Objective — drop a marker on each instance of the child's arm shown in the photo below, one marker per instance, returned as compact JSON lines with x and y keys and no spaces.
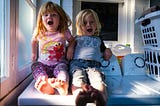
{"x":107,"y":53}
{"x":70,"y":48}
{"x":34,"y":45}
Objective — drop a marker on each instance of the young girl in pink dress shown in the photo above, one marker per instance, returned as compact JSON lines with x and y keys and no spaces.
{"x":49,"y":54}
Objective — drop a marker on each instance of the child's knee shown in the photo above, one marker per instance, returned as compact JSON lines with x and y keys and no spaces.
{"x":79,"y":78}
{"x":63,"y":75}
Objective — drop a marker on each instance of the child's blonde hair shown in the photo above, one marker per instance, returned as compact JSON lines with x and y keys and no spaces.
{"x":80,"y":20}
{"x":49,"y":7}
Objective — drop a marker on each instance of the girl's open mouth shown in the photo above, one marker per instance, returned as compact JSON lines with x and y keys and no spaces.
{"x":89,"y":30}
{"x":50,"y":22}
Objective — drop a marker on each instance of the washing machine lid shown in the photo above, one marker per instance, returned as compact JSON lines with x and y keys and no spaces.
{"x":133,"y":90}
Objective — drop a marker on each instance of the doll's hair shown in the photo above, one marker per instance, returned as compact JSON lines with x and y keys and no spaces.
{"x":49,"y":7}
{"x":80,"y":20}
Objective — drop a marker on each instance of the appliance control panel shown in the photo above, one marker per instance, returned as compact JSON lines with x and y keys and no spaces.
{"x":111,"y":67}
{"x":133,"y":64}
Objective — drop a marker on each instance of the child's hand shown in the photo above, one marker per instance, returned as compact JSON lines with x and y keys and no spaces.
{"x":107,"y":54}
{"x":70,"y":52}
{"x":70,"y":49}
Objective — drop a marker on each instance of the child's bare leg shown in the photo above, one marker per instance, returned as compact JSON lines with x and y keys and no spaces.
{"x":60,"y":83}
{"x":97,"y":82}
{"x":43,"y":86}
{"x":103,"y":90}
{"x":76,"y":90}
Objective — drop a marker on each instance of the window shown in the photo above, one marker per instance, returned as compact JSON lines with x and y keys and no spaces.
{"x":2,"y":43}
{"x":24,"y":33}
{"x":16,"y":32}
{"x":4,"y":54}
{"x":4,"y":37}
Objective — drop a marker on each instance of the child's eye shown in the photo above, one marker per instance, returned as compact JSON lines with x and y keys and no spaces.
{"x":54,"y":15}
{"x":84,"y":23}
{"x":91,"y":22}
{"x":45,"y":15}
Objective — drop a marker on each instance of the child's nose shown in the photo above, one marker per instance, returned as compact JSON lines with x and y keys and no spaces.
{"x":50,"y":15}
{"x":88,"y":24}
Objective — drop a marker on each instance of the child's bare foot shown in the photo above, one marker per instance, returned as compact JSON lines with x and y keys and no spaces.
{"x":43,"y":86}
{"x":60,"y":85}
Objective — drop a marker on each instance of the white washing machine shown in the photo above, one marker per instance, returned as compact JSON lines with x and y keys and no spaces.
{"x":134,"y":87}
{"x":129,"y":86}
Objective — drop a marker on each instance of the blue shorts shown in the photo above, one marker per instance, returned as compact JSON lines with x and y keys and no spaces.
{"x":86,"y":72}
